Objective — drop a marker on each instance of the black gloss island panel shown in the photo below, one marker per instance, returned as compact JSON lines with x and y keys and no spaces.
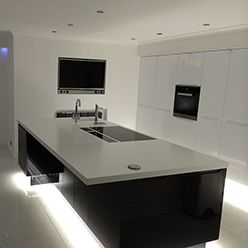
{"x":173,"y":211}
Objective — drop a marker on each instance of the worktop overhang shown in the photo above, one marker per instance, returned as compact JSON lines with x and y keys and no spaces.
{"x":96,"y":161}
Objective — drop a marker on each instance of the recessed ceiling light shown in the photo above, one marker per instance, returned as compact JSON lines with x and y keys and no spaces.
{"x":133,"y":38}
{"x":205,"y":24}
{"x":70,"y":24}
{"x":100,"y":11}
{"x":54,"y":31}
{"x":159,"y":33}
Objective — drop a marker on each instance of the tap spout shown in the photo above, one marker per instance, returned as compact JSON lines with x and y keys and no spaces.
{"x":76,"y":115}
{"x":97,"y":109}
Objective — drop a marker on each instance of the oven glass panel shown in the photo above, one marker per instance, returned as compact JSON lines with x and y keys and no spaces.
{"x":186,"y":101}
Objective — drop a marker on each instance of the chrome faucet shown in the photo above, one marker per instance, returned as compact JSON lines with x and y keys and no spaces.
{"x":97,"y":109}
{"x":76,"y":115}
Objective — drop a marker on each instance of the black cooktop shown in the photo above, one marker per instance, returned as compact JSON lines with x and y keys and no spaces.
{"x":116,"y":133}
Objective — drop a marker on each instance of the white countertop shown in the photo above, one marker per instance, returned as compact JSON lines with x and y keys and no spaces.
{"x":95,"y":161}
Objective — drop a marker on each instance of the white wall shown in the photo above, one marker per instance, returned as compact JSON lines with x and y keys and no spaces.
{"x":6,"y":89}
{"x":3,"y":60}
{"x":36,"y":69}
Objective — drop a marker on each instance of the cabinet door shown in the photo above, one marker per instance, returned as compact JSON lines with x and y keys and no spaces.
{"x":166,"y":79}
{"x":236,"y":105}
{"x":234,"y":141}
{"x":190,"y":69}
{"x":144,"y":119}
{"x":208,"y":135}
{"x":147,"y":81}
{"x":162,"y":124}
{"x":214,"y":79}
{"x":67,"y":178}
{"x":183,"y":132}
{"x":234,"y":137}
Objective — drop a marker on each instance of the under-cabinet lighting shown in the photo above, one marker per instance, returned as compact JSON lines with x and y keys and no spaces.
{"x":236,"y":194}
{"x":76,"y":231}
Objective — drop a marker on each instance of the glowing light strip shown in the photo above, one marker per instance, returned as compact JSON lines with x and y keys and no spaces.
{"x":236,"y":194}
{"x":77,"y":232}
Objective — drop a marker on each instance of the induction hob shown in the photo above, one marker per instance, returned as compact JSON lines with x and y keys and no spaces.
{"x":116,"y":133}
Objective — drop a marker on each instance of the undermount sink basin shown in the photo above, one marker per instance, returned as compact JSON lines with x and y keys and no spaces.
{"x":87,"y":119}
{"x":100,"y":123}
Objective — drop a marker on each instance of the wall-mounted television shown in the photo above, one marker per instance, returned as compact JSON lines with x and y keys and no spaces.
{"x":81,"y":76}
{"x":186,"y":101}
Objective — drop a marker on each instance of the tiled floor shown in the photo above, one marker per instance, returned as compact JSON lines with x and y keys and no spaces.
{"x":28,"y":219}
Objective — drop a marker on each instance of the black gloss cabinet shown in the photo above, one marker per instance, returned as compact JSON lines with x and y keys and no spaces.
{"x":173,"y":211}
{"x":169,"y":211}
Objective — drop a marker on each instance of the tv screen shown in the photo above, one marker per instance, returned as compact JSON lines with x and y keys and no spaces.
{"x":81,"y":76}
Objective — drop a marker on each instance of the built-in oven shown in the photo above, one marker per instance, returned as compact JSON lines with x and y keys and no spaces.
{"x":186,"y":101}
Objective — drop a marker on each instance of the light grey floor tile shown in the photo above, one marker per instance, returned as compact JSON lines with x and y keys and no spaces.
{"x":17,"y":200}
{"x":20,"y":223}
{"x":232,"y":216}
{"x":227,"y":240}
{"x":240,"y":231}
{"x":43,"y":240}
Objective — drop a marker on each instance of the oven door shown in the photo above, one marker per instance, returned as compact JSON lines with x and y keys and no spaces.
{"x":186,"y":101}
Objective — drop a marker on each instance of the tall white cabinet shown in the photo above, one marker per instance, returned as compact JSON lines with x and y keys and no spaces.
{"x":189,"y":73}
{"x":234,"y":141}
{"x":147,"y":87}
{"x":234,"y":137}
{"x":190,"y":68}
{"x":163,"y":103}
{"x":213,"y":89}
{"x":222,"y":125}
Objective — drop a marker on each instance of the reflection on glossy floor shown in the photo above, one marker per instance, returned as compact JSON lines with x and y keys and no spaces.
{"x":39,"y":217}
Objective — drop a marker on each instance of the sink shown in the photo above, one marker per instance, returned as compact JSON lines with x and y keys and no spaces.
{"x":100,"y":123}
{"x":116,"y":133}
{"x":87,"y":119}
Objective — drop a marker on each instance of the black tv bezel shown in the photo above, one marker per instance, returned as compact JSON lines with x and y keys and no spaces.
{"x":81,"y":90}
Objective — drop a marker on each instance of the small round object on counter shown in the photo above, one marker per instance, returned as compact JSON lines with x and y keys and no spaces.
{"x":133,"y":167}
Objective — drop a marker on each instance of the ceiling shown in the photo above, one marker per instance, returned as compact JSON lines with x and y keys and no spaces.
{"x":122,"y":20}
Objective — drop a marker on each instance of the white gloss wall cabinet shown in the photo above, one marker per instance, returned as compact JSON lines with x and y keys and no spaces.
{"x":221,"y":129}
{"x":144,"y":120}
{"x":164,"y":96}
{"x":166,"y":80}
{"x":147,"y":86}
{"x":234,"y":138}
{"x":183,"y":132}
{"x":190,"y":68}
{"x":148,"y":75}
{"x":189,"y":72}
{"x":162,"y":124}
{"x":213,"y":87}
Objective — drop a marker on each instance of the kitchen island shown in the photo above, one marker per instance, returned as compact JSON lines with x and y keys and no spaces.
{"x":131,"y":190}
